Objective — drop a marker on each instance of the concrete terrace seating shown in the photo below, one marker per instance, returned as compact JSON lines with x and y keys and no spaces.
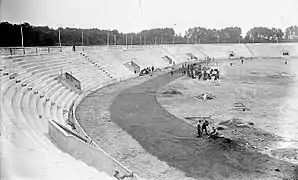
{"x":216,"y":51}
{"x":265,"y":50}
{"x":31,"y":95}
{"x":292,"y":48}
{"x":144,"y":57}
{"x":241,"y":50}
{"x":104,"y":61}
{"x":21,"y":113}
{"x":180,"y":52}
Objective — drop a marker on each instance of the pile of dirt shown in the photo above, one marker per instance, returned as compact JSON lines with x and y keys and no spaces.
{"x":286,"y":153}
{"x":235,"y":122}
{"x":171,"y":92}
{"x":198,"y":118}
{"x":206,"y":96}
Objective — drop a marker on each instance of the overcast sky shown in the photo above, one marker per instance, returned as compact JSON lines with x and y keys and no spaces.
{"x":126,"y":16}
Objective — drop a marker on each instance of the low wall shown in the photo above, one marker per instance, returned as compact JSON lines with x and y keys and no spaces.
{"x":15,"y":51}
{"x":117,"y":165}
{"x":95,"y":157}
{"x":70,"y":82}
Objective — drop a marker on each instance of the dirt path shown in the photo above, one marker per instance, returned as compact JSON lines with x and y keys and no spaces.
{"x":162,"y":135}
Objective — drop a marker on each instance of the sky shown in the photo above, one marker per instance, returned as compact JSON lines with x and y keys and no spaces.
{"x":136,"y":15}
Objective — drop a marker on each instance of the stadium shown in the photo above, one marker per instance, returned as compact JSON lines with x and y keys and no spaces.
{"x":99,"y":104}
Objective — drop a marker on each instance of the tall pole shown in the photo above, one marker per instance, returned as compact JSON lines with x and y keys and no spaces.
{"x":108,"y":39}
{"x":155,"y":40}
{"x":126,"y":40}
{"x":131,"y":40}
{"x":253,"y":39}
{"x":276,"y":39}
{"x":173,"y":39}
{"x":115,"y":40}
{"x":218,"y":40}
{"x":59,"y":38}
{"x":145,"y":41}
{"x":22,"y":36}
{"x":82,"y":39}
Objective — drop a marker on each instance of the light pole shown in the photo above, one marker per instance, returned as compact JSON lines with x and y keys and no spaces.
{"x":83,"y":40}
{"x":22,"y":36}
{"x":218,"y":40}
{"x":59,"y":38}
{"x":174,"y":34}
{"x":130,"y":39}
{"x":108,"y":39}
{"x":115,"y":40}
{"x":145,"y":41}
{"x":126,"y":40}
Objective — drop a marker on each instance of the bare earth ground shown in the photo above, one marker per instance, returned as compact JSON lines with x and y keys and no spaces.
{"x":94,"y":116}
{"x":157,"y":145}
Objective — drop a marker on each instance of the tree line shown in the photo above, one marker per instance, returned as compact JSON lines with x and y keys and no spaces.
{"x":10,"y":35}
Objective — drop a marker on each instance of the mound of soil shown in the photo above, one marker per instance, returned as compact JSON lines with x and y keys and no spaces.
{"x":288,"y":153}
{"x":235,"y":122}
{"x":171,"y":92}
{"x":208,"y":96}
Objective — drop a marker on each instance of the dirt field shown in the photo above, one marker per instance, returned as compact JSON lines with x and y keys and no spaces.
{"x":157,"y":145}
{"x":267,"y":87}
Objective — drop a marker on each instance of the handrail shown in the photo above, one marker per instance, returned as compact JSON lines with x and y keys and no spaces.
{"x":73,"y":133}
{"x":119,"y":165}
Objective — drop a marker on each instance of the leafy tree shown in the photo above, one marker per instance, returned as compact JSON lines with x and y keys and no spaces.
{"x":291,"y":32}
{"x":10,"y":35}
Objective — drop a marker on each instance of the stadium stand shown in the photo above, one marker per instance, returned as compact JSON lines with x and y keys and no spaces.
{"x":265,"y":50}
{"x":143,"y":57}
{"x":36,"y":106}
{"x":179,"y":52}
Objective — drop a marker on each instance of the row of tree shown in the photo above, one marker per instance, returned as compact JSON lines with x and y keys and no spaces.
{"x":10,"y":35}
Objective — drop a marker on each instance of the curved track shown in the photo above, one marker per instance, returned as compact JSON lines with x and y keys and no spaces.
{"x":171,"y":140}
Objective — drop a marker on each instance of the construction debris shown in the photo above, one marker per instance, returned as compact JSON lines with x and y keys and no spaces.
{"x":206,"y":96}
{"x":240,"y":107}
{"x":171,"y":92}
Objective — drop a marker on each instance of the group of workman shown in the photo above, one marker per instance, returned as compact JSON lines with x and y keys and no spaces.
{"x":202,"y":73}
{"x":145,"y":71}
{"x":201,"y":128}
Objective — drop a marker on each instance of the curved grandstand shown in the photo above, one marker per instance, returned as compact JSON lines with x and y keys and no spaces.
{"x":41,"y":88}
